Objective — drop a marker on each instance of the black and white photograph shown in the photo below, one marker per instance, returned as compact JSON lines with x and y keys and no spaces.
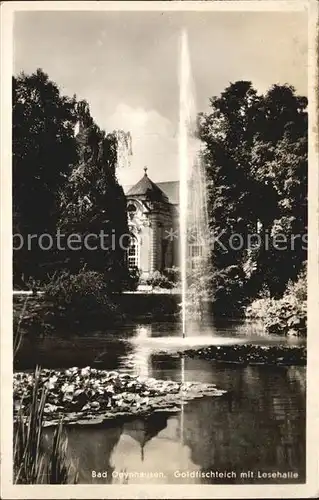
{"x":162,"y":194}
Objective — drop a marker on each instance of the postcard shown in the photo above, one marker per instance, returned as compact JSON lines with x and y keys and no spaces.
{"x":159,"y":257}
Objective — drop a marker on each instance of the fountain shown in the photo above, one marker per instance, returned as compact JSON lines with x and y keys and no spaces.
{"x":194,"y":242}
{"x":194,"y":233}
{"x":193,"y":214}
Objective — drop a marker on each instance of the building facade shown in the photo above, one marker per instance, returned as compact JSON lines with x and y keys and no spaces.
{"x":153,"y":223}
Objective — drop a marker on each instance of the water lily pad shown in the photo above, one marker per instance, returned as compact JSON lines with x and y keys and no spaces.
{"x":95,"y":405}
{"x":48,"y":408}
{"x":108,"y":394}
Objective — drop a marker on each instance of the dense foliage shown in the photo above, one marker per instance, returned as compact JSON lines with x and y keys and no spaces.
{"x":64,"y":182}
{"x":157,"y":279}
{"x":44,"y":151}
{"x":84,"y":291}
{"x":287,"y":315}
{"x":93,"y":203}
{"x":256,"y":157}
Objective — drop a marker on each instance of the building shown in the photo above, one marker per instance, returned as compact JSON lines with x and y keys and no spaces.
{"x":153,"y":223}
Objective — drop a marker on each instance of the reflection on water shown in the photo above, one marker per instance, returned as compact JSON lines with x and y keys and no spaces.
{"x":259,"y":425}
{"x":108,"y":348}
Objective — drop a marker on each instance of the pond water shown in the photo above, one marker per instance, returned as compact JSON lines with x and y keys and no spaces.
{"x":256,"y":428}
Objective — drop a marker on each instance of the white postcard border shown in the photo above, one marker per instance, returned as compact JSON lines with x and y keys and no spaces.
{"x":10,"y":491}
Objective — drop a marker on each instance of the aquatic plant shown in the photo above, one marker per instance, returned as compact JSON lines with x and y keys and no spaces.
{"x":249,"y":354}
{"x":86,"y":394}
{"x":58,"y":468}
{"x":17,"y":331}
{"x":31,"y":464}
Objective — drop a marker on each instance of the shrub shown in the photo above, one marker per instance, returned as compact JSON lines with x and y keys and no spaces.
{"x":287,"y":315}
{"x":280,"y":316}
{"x":172,"y":274}
{"x":133,"y":279}
{"x":86,"y":290}
{"x":158,"y":280}
{"x":298,"y":288}
{"x":258,"y":309}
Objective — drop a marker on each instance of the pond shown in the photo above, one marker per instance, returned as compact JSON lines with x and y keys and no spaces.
{"x":258,"y":427}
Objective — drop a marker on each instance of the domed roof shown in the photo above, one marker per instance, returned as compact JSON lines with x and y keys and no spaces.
{"x":146,"y":187}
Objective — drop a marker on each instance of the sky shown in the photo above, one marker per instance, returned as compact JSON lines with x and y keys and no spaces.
{"x":125,"y":64}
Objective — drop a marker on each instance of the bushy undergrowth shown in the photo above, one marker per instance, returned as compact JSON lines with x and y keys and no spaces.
{"x":133,"y":279}
{"x":86,"y":290}
{"x":173,"y":274}
{"x":287,"y":315}
{"x":159,"y":280}
{"x":299,"y":288}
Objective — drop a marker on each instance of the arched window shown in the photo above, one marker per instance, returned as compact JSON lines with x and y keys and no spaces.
{"x":131,"y":210}
{"x":133,"y":253}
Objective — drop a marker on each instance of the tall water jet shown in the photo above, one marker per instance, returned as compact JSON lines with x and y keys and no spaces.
{"x":193,"y":219}
{"x":184,"y":132}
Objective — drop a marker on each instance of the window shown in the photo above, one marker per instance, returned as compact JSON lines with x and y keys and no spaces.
{"x":195,"y":253}
{"x":131,"y":208}
{"x":132,"y":254}
{"x":131,"y":211}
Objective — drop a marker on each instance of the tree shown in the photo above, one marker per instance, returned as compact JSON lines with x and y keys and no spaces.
{"x":228,"y":135}
{"x":284,"y":176}
{"x":92,"y":201}
{"x":63,"y":181}
{"x":43,"y":153}
{"x":256,"y":165}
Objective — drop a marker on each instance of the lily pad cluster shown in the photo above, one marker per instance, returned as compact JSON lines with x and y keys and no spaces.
{"x":86,"y":395}
{"x":252,"y":354}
